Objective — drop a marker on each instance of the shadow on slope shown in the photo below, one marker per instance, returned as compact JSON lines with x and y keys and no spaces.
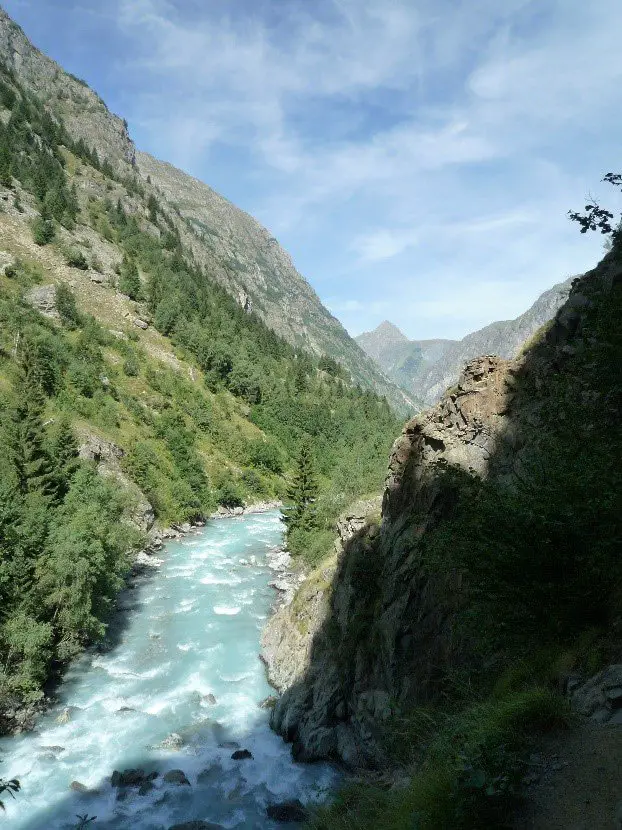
{"x":495,"y":573}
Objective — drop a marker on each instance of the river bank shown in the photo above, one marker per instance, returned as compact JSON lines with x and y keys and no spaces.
{"x":16,"y":716}
{"x":178,"y":687}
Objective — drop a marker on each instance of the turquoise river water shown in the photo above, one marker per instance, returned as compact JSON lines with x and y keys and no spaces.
{"x":191,"y":630}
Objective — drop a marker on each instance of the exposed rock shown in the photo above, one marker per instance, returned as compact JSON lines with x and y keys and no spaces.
{"x":174,"y":741}
{"x":287,"y":811}
{"x":42,"y":297}
{"x":241,"y":755}
{"x":268,"y":702}
{"x":128,"y":778}
{"x":601,"y":696}
{"x":141,"y":324}
{"x":371,"y":632}
{"x":77,"y":787}
{"x":210,"y":698}
{"x":176,"y":776}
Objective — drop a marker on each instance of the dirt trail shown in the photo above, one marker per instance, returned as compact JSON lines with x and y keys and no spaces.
{"x":576,"y":781}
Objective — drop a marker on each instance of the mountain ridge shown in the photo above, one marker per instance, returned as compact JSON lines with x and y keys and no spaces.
{"x":425,"y":368}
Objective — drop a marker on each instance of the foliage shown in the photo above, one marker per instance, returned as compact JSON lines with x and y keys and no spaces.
{"x":597,"y":218}
{"x":66,"y":306}
{"x":11,"y":787}
{"x":299,"y":513}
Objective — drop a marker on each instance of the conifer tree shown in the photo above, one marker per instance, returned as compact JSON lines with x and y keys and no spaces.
{"x":129,"y":281}
{"x":302,"y":491}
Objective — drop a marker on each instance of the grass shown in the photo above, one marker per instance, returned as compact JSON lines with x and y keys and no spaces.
{"x":468,"y":777}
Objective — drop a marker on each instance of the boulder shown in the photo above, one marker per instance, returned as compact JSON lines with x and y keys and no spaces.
{"x":287,"y":811}
{"x":268,"y":702}
{"x":176,"y":776}
{"x":128,"y":778}
{"x":173,"y":741}
{"x":78,"y":787}
{"x":141,"y":324}
{"x":241,"y":755}
{"x":210,"y":698}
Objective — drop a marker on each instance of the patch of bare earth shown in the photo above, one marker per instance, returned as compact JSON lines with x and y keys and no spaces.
{"x":576,"y":781}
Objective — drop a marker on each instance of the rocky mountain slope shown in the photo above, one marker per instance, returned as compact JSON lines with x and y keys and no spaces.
{"x":425,"y":368}
{"x":482,"y":553}
{"x":234,"y":249}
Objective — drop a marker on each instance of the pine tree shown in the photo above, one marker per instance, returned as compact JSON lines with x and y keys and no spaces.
{"x":33,"y":465}
{"x":65,"y":455}
{"x":302,"y":491}
{"x":129,"y":281}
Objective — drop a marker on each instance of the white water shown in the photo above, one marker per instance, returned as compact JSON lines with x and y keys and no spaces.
{"x":193,"y":630}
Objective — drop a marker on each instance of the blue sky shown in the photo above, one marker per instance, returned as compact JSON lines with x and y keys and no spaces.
{"x":416,"y":157}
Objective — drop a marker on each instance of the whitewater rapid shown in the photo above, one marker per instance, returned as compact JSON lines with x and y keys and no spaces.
{"x":189,"y":634}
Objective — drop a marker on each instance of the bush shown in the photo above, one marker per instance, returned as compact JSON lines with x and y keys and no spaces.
{"x":43,"y":231}
{"x":66,"y":306}
{"x":76,"y":259}
{"x":266,"y":455}
{"x":131,"y":366}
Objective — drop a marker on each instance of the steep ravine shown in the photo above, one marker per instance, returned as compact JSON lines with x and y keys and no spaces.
{"x":372,"y":632}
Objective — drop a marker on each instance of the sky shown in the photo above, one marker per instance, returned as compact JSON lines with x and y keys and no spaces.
{"x":417,"y":158}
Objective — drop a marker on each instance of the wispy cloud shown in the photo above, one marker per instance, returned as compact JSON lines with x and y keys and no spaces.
{"x":422,"y":151}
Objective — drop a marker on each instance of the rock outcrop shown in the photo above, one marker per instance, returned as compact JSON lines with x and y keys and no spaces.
{"x":372,"y":632}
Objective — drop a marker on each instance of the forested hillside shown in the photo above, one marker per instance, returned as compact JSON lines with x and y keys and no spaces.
{"x":117,"y":345}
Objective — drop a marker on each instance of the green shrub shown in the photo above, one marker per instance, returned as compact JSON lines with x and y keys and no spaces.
{"x":76,"y":259}
{"x":43,"y":231}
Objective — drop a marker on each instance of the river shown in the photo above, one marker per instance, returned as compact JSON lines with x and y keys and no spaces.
{"x":191,"y":631}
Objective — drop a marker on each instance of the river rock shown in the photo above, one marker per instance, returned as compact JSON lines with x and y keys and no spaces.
{"x":287,"y":811}
{"x":78,"y":787}
{"x":128,"y":778}
{"x":176,"y":776}
{"x":174,"y":741}
{"x":210,"y":698}
{"x":268,"y":702}
{"x":124,"y":710}
{"x":241,"y":755}
{"x":55,"y":749}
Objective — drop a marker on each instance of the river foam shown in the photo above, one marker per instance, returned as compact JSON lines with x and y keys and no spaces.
{"x":178,"y":688}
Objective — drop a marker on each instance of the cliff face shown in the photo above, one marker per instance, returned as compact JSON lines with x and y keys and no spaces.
{"x":82,"y":111}
{"x":425,"y":368}
{"x":376,"y":629}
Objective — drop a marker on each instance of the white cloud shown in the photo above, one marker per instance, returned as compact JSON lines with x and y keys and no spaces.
{"x":393,"y":132}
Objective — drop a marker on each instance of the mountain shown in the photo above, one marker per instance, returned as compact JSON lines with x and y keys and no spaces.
{"x":425,"y":368}
{"x":234,"y":249}
{"x":159,"y":361}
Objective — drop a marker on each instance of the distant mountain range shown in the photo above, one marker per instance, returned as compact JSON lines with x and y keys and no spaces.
{"x":425,"y":368}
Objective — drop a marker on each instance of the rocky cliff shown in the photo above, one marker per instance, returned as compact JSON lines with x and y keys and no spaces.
{"x":372,"y":634}
{"x":425,"y":368}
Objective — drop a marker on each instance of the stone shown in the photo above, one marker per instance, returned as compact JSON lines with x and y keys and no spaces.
{"x":210,"y":698}
{"x":287,"y":811}
{"x":145,"y":788}
{"x":197,"y":825}
{"x":124,"y":710}
{"x":174,"y":741}
{"x":43,"y":298}
{"x":127,"y":778}
{"x":141,"y":324}
{"x":241,"y":755}
{"x":78,"y":787}
{"x":176,"y":776}
{"x":268,"y":702}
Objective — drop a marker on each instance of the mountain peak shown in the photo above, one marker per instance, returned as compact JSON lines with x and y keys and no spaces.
{"x":389,"y":329}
